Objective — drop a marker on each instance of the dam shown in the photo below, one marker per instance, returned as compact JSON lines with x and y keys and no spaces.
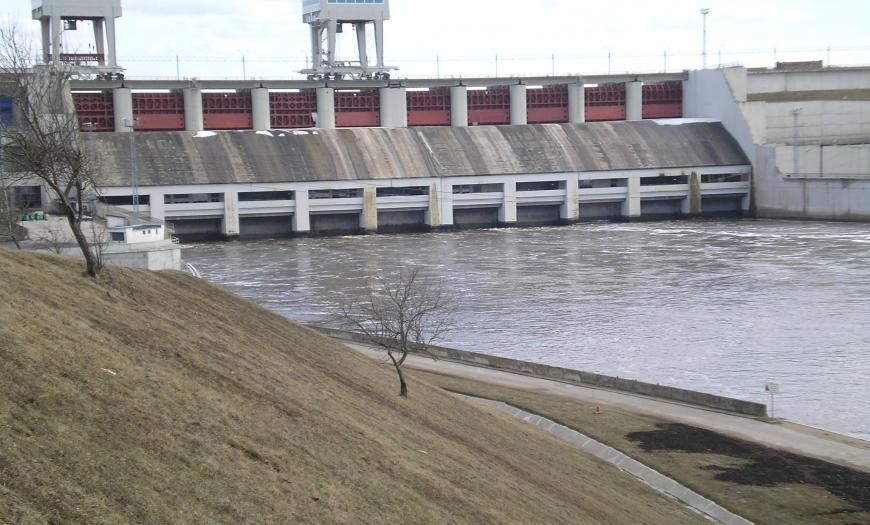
{"x":381,"y":180}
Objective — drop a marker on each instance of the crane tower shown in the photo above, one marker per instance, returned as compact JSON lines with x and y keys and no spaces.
{"x":57,"y":16}
{"x":327,"y":18}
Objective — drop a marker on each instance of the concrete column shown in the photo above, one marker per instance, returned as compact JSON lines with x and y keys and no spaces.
{"x":123,"y":101}
{"x":433,"y":214}
{"x":301,"y":217}
{"x":519,"y":106}
{"x":261,"y":109}
{"x":446,"y":197}
{"x":369,"y":219}
{"x":193,"y":109}
{"x":100,"y":39}
{"x":56,"y":31}
{"x":231,"y":214}
{"x":631,"y":206}
{"x":379,"y":42}
{"x":110,"y":36}
{"x":46,"y":40}
{"x":325,"y":108}
{"x":394,"y":107}
{"x":576,"y":103}
{"x":633,"y":100}
{"x":361,"y":44}
{"x":570,"y":209}
{"x":157,"y":206}
{"x":692,"y":204}
{"x":459,"y":106}
{"x":508,"y":211}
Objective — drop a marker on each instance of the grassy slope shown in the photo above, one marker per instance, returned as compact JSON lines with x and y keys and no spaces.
{"x":766,"y":486}
{"x":224,"y":412}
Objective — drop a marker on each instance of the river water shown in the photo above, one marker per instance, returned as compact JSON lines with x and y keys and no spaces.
{"x":717,"y":306}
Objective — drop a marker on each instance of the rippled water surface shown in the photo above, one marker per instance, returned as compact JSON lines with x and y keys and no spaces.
{"x":716,"y":306}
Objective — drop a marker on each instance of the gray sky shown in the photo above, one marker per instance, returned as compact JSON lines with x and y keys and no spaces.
{"x":533,"y":37}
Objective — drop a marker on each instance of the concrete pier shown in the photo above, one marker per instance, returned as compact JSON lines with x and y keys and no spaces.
{"x":446,"y":203}
{"x":230,"y":224}
{"x":576,"y":103}
{"x":631,"y":206}
{"x":157,"y":206}
{"x":394,"y":107}
{"x":459,"y":106}
{"x":193,"y":109}
{"x":261,"y":110}
{"x":507,"y":214}
{"x":369,"y":218}
{"x":633,"y":100}
{"x":325,"y":108}
{"x":122,"y":99}
{"x":301,"y":214}
{"x":692,"y":203}
{"x":433,"y":213}
{"x":569,"y":211}
{"x":519,"y":109}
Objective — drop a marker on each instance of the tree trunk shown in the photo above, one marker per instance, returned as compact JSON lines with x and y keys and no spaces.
{"x":403,"y":387}
{"x":91,"y":263}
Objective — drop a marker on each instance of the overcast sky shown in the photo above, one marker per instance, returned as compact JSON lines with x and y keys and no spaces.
{"x":532,"y":37}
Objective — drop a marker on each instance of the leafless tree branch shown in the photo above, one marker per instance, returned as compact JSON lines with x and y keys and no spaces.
{"x":43,"y":142}
{"x":400,"y":313}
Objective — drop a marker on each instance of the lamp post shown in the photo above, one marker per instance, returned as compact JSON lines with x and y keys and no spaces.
{"x":704,"y":12}
{"x":134,"y":167}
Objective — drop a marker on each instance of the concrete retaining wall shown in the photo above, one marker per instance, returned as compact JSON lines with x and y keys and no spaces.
{"x":577,"y":377}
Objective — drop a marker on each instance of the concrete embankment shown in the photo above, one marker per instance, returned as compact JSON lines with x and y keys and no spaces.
{"x":701,"y":399}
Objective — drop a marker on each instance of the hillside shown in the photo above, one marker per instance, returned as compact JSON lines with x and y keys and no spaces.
{"x":158,"y":398}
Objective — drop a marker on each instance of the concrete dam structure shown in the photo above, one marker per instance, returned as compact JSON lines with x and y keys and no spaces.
{"x":284,"y":182}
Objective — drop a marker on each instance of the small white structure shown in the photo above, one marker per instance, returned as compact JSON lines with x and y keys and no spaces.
{"x":138,"y":242}
{"x":326,"y":18}
{"x":57,"y":16}
{"x":119,"y":231}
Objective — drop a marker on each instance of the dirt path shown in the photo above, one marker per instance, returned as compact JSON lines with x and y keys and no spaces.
{"x":792,"y":437}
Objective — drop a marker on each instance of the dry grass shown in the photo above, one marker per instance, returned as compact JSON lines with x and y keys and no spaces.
{"x":761,"y":484}
{"x":157,"y":398}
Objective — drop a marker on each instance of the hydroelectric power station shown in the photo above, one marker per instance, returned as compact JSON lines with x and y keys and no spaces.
{"x":355,"y":148}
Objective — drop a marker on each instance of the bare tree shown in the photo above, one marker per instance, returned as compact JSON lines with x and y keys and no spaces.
{"x":43,"y":142}
{"x":400,"y":313}
{"x":10,"y":212}
{"x":52,"y":238}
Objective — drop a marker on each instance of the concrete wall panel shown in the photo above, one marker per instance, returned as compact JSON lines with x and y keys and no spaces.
{"x":173,"y":158}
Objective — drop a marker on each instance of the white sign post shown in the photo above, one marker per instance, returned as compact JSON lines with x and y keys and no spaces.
{"x":771,"y":388}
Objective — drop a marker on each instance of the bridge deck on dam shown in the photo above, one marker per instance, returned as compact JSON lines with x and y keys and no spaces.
{"x":381,"y":179}
{"x":171,"y":158}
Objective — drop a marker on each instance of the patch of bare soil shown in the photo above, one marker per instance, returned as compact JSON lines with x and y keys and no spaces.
{"x":762,"y":466}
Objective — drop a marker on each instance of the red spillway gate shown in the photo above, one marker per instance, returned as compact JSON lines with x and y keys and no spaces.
{"x":663,"y":100}
{"x":293,"y":110}
{"x":227,"y":110}
{"x":429,"y":108}
{"x":357,"y":109}
{"x":97,"y":109}
{"x":548,"y":105}
{"x":605,"y":102}
{"x":489,"y":106}
{"x":159,"y":111}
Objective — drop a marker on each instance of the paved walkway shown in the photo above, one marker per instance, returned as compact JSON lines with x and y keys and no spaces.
{"x":799,"y":439}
